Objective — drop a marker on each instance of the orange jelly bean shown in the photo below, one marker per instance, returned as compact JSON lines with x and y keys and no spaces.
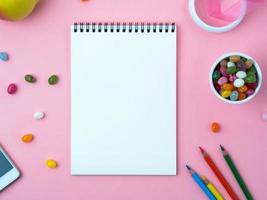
{"x":215,"y":127}
{"x":228,"y":87}
{"x":241,"y":96}
{"x":243,"y":89}
{"x":27,"y":138}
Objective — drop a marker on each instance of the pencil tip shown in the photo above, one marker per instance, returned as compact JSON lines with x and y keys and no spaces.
{"x":201,"y":149}
{"x":187,"y":166}
{"x":222,"y":148}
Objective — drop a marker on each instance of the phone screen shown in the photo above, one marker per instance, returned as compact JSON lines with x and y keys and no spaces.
{"x":5,"y":165}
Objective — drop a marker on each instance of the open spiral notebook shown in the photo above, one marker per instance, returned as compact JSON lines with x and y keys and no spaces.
{"x":123,"y":99}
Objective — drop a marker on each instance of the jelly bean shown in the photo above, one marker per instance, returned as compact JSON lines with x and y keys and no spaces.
{"x":53,"y":80}
{"x":30,"y":78}
{"x":243,"y":89}
{"x":223,"y":63}
{"x":217,"y":87}
{"x":251,"y":79}
{"x":39,"y":115}
{"x":226,"y":93}
{"x":222,"y":80}
{"x":249,"y":63}
{"x":239,"y":82}
{"x":241,"y":74}
{"x":27,"y":138}
{"x":234,"y":58}
{"x":223,"y":70}
{"x":234,"y":96}
{"x":231,"y":70}
{"x":232,"y":77}
{"x":215,"y":127}
{"x":241,"y":96}
{"x":241,"y":65}
{"x":50,"y":163}
{"x":252,"y":85}
{"x":252,"y":70}
{"x":12,"y":88}
{"x":230,"y":64}
{"x":227,"y":86}
{"x":3,"y":56}
{"x":216,"y":75}
{"x":250,"y":92}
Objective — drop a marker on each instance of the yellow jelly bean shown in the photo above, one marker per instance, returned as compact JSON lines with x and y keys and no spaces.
{"x":27,"y":138}
{"x":242,"y":89}
{"x":226,"y":93}
{"x":227,"y":86}
{"x":50,"y":163}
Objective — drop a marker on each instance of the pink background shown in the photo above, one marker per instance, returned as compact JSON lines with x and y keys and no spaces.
{"x":40,"y":45}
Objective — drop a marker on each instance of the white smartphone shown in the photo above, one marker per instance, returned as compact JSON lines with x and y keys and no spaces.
{"x":8,"y":171}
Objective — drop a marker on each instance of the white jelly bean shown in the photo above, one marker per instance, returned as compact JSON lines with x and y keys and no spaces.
{"x":241,"y":74}
{"x":39,"y":115}
{"x":230,"y":64}
{"x":239,"y":82}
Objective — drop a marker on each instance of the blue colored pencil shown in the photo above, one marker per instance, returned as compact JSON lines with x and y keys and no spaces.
{"x":201,"y":184}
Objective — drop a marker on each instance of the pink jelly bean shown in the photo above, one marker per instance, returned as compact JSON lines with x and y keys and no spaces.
{"x":223,"y":70}
{"x":250,"y":92}
{"x":222,"y":80}
{"x":12,"y":88}
{"x":232,"y":78}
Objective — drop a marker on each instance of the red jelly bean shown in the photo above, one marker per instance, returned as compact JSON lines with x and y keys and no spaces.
{"x":12,"y":88}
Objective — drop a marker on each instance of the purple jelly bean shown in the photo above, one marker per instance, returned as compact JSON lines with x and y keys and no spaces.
{"x":12,"y":88}
{"x":222,"y":80}
{"x":241,"y":65}
{"x":232,"y":77}
{"x":223,"y":70}
{"x":250,"y":92}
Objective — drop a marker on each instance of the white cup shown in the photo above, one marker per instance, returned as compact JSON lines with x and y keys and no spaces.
{"x":259,"y":75}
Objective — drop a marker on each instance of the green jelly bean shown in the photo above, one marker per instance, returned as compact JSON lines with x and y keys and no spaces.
{"x":53,"y":80}
{"x":252,"y":70}
{"x":216,"y":75}
{"x":251,"y":79}
{"x":30,"y":78}
{"x":231,"y":70}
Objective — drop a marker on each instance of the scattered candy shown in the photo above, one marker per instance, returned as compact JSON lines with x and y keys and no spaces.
{"x":241,"y":74}
{"x":230,"y":64}
{"x":30,"y":78}
{"x":234,"y":96}
{"x":239,"y":82}
{"x":215,"y":127}
{"x":264,"y":116}
{"x":39,"y":115}
{"x":3,"y":56}
{"x":50,"y":163}
{"x":27,"y":138}
{"x":53,"y":80}
{"x":12,"y":88}
{"x":235,"y":78}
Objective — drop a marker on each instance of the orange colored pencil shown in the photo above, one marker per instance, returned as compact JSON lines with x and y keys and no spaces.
{"x":219,"y":175}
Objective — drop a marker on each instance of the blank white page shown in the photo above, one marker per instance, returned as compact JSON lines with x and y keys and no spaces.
{"x":123,"y":101}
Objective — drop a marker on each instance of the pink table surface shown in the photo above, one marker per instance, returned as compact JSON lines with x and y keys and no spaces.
{"x":41,"y":45}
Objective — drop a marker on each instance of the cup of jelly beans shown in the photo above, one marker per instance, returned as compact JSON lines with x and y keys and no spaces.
{"x":235,"y":78}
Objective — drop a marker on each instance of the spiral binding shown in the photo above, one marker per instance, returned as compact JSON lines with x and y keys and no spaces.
{"x":124,"y":27}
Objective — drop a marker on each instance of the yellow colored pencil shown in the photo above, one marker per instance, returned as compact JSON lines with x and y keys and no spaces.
{"x":212,"y":188}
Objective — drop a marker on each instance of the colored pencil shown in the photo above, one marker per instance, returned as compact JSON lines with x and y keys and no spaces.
{"x":212,"y":188}
{"x":219,"y":175}
{"x":201,"y":184}
{"x":236,"y":174}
